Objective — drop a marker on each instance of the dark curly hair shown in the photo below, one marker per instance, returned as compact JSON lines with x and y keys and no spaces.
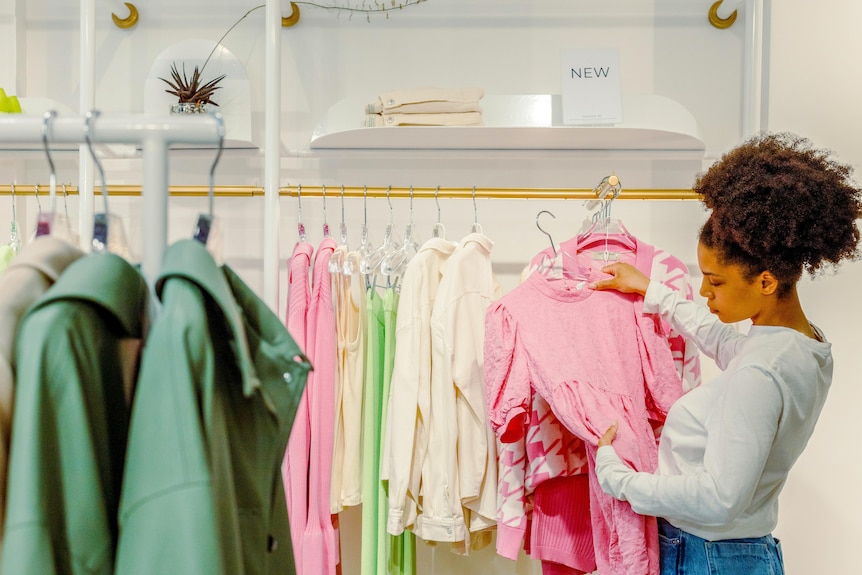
{"x":779,"y":204}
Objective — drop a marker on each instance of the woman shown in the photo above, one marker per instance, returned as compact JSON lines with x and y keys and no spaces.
{"x":778,"y":208}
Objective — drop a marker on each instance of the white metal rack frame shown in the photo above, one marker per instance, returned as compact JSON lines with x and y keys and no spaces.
{"x":153,"y":134}
{"x":755,"y":87}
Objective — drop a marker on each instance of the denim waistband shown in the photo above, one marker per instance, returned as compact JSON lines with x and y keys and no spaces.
{"x":682,"y":553}
{"x":673,"y":532}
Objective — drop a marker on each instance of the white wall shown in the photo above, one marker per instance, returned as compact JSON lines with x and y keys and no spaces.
{"x":815,"y":73}
{"x":508,"y":47}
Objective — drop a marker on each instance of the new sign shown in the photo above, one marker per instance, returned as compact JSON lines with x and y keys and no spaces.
{"x":591,"y":91}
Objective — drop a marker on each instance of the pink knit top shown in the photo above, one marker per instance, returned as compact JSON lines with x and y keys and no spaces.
{"x":295,"y":467}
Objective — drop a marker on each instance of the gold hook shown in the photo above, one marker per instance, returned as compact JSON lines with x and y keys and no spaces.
{"x":129,"y":21}
{"x":293,"y":19}
{"x":719,"y":22}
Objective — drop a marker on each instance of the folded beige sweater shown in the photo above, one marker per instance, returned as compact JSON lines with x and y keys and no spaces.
{"x":427,"y":101}
{"x":454,"y":119}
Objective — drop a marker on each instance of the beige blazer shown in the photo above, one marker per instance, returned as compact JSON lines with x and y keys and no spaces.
{"x":28,"y":276}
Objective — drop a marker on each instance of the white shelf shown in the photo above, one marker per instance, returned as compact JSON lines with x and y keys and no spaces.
{"x":532,"y":122}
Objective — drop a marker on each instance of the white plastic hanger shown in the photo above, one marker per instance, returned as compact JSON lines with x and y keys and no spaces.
{"x":370,"y":263}
{"x":395,"y":262}
{"x":338,"y":260}
{"x":603,"y":231}
{"x":365,"y":248}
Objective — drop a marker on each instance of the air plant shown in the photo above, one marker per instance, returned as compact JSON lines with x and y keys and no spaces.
{"x":190,"y":89}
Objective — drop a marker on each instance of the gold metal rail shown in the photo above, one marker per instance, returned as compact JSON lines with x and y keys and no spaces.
{"x":487,"y":193}
{"x":378,"y":192}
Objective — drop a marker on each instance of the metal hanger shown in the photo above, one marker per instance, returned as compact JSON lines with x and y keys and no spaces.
{"x":300,"y":227}
{"x":550,"y":238}
{"x":208,"y":227}
{"x":476,"y":228}
{"x":38,"y":201}
{"x":14,"y":239}
{"x":45,"y":221}
{"x":66,"y":221}
{"x":100,"y":224}
{"x":65,"y":202}
{"x":109,"y":234}
{"x":343,"y":224}
{"x":439,"y":230}
{"x":548,"y":263}
{"x":325,"y":223}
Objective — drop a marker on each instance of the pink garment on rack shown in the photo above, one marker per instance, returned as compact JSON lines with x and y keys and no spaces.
{"x":320,"y":548}
{"x":595,"y":357}
{"x":553,"y":451}
{"x":545,"y":452}
{"x":551,"y":568}
{"x":294,"y":469}
{"x":669,"y":270}
{"x":561,"y":533}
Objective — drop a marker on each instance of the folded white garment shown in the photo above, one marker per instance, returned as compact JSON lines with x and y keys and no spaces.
{"x":394,"y":101}
{"x":458,"y":119}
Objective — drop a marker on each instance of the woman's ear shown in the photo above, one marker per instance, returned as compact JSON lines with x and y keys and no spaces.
{"x":768,"y":283}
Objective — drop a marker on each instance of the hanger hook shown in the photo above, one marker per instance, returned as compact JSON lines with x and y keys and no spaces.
{"x":323,"y":192}
{"x":541,"y":229}
{"x":299,"y":202}
{"x":325,"y":222}
{"x":65,"y":202}
{"x":365,"y":205}
{"x":389,"y":200}
{"x":300,"y":227}
{"x":14,"y":209}
{"x":38,"y":201}
{"x":475,"y":208}
{"x":411,"y":205}
{"x":343,"y":236}
{"x":220,"y":124}
{"x":342,"y":203}
{"x":88,"y":127}
{"x":46,"y":124}
{"x":437,"y":201}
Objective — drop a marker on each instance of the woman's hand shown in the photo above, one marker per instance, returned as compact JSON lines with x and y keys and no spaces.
{"x":626,"y":279}
{"x":609,"y":435}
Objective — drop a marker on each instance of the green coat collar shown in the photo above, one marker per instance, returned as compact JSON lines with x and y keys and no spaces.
{"x":189,"y":259}
{"x":108,"y":281}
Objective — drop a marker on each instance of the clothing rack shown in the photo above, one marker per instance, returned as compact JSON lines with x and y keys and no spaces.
{"x":379,"y":192}
{"x":153,"y":133}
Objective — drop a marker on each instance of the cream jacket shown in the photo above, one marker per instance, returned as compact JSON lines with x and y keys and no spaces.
{"x":28,"y":276}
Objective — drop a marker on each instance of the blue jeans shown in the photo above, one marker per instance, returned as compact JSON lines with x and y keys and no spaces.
{"x":682,"y":553}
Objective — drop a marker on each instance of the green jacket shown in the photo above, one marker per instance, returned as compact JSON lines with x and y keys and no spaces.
{"x":71,"y":420}
{"x":219,"y":386}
